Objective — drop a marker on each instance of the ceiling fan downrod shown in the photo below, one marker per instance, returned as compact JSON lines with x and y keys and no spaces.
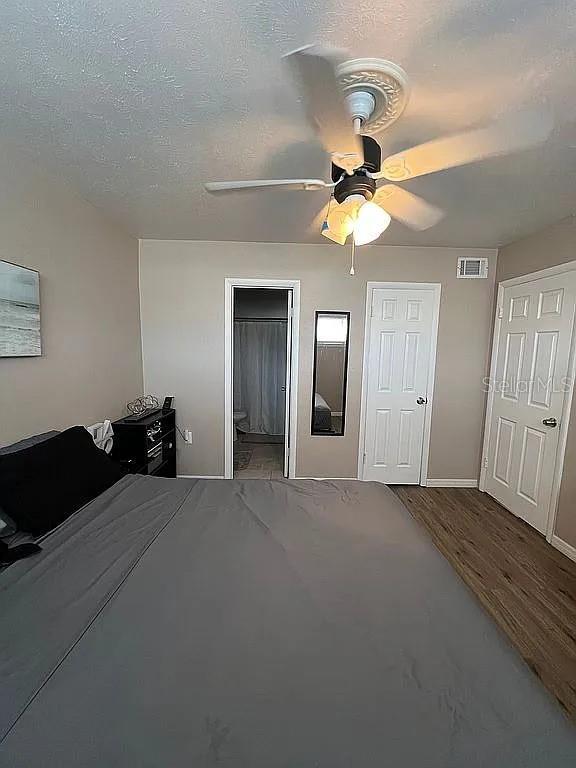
{"x":361,"y":105}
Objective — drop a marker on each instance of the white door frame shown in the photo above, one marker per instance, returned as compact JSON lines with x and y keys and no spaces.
{"x":569,"y":266}
{"x":370,"y":287}
{"x":243,"y":282}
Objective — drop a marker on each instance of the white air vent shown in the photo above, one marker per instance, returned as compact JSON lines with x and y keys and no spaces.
{"x":472,"y":268}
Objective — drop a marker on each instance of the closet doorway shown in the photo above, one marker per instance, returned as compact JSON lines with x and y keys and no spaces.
{"x":260,"y":398}
{"x":398,"y":382}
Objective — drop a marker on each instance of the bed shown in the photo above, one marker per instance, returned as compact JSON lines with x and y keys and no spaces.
{"x":254,"y":624}
{"x":322,"y":414}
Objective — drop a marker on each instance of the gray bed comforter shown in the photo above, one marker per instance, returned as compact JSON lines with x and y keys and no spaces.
{"x":182,"y":623}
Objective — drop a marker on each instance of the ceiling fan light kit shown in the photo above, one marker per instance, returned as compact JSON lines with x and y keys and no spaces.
{"x":347,"y":103}
{"x":371,"y":221}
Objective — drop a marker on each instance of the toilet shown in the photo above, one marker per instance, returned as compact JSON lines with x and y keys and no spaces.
{"x":238,"y":417}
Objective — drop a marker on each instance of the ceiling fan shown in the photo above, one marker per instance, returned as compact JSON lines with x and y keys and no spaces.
{"x":346,"y":102}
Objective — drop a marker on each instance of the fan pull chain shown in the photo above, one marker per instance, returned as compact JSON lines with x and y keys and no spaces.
{"x":353,"y":252}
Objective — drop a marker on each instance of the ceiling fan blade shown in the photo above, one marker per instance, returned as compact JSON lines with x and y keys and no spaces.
{"x":406,"y":207}
{"x":521,"y":131}
{"x":237,"y":186}
{"x":315,"y":71}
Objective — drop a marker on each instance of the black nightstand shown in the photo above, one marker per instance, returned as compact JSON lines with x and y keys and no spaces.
{"x":147,"y":446}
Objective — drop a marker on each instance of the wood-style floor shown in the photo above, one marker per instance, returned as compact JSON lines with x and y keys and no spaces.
{"x":527,"y":586}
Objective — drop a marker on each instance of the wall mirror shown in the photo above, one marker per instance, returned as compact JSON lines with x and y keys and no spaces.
{"x":331,"y":332}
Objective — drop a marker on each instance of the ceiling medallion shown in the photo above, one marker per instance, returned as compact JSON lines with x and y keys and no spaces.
{"x":386,"y":81}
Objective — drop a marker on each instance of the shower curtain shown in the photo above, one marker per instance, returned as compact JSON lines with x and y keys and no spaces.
{"x":260,"y":374}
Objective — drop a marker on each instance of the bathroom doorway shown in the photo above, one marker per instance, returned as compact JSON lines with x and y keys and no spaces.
{"x":261,"y":341}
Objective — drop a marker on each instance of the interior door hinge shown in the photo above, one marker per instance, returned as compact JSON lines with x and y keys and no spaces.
{"x":500,"y":313}
{"x":486,"y":462}
{"x":363,"y":458}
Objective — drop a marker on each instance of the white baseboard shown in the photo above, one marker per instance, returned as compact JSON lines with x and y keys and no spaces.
{"x":430,"y":483}
{"x":307,"y":477}
{"x":456,"y":483}
{"x":564,"y":547}
{"x":204,"y":477}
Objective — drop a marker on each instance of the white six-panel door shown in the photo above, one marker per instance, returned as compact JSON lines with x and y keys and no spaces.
{"x":402,"y":327}
{"x":529,"y":383}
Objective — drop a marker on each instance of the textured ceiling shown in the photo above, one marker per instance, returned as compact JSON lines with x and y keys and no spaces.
{"x":140,"y":101}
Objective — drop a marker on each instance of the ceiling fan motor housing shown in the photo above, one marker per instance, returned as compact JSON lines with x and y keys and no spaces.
{"x":358,"y":184}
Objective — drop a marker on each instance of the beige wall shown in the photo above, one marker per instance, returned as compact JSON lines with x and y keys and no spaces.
{"x":91,"y":361}
{"x":182,"y":295}
{"x":554,"y":245}
{"x":551,"y":246}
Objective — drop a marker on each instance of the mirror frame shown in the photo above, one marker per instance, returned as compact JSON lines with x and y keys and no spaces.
{"x":345,"y":378}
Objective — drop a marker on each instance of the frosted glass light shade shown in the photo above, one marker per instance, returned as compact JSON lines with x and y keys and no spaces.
{"x":338,"y":225}
{"x":370,"y":223}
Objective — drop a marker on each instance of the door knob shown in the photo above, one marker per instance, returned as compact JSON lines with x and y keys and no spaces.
{"x":422,"y":400}
{"x":282,"y":389}
{"x":550,"y":422}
